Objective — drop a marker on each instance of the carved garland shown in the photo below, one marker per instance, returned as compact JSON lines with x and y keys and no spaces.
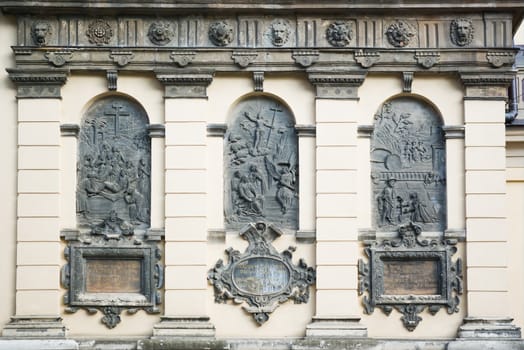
{"x":410,"y":274}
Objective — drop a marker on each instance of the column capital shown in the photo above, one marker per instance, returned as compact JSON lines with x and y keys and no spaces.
{"x":38,"y":83}
{"x":336,"y":84}
{"x":486,"y":85}
{"x":185,"y":85}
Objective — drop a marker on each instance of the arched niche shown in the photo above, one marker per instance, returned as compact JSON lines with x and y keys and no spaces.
{"x":261,"y":164}
{"x":408,"y":166}
{"x":114,"y":166}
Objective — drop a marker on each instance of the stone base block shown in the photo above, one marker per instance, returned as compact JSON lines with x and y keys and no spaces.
{"x":40,"y":327}
{"x":348,"y":327}
{"x":38,"y":344}
{"x":484,"y":344}
{"x":477,"y":327}
{"x":184,"y":327}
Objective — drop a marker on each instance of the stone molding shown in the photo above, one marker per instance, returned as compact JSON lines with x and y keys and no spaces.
{"x":336,"y":327}
{"x":453,"y":131}
{"x":306,"y":130}
{"x":69,"y":130}
{"x":486,"y":85}
{"x":485,"y":327}
{"x":38,"y":83}
{"x":185,"y":85}
{"x":216,"y":130}
{"x":337,"y":85}
{"x":175,"y":327}
{"x":156,"y":130}
{"x":35,"y":327}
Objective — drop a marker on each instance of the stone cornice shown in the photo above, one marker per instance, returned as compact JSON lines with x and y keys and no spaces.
{"x":337,"y":85}
{"x":482,"y":79}
{"x":38,"y":83}
{"x":185,"y":85}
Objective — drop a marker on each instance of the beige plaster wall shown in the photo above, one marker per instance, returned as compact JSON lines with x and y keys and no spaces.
{"x":515,"y":209}
{"x":8,"y":161}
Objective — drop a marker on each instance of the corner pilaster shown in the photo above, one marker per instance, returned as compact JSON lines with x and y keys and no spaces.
{"x":38,"y":209}
{"x":484,"y":146}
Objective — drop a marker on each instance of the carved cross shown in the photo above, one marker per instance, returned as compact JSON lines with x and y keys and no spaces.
{"x":116,"y":115}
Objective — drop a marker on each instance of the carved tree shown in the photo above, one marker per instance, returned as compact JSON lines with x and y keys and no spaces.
{"x":408,"y":166}
{"x":261,"y":165}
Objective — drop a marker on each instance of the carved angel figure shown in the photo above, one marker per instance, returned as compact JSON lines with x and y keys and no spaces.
{"x":286,"y":183}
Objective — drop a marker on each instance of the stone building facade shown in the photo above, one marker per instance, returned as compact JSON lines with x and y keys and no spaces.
{"x":256,"y":175}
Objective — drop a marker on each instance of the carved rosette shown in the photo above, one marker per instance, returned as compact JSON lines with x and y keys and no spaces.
{"x":400,"y":33}
{"x":160,"y":33}
{"x":427,"y":59}
{"x":221,"y":33}
{"x":261,"y":277}
{"x":461,"y":31}
{"x":99,"y":32}
{"x":339,"y":33}
{"x":410,"y":274}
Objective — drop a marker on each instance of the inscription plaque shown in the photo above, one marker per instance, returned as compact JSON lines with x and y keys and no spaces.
{"x":113,"y":276}
{"x":410,"y":274}
{"x":262,"y":276}
{"x":415,"y":277}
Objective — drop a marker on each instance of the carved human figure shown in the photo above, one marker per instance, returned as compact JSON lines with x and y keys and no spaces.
{"x":461,"y":31}
{"x":259,"y":131}
{"x":113,"y":225}
{"x":387,"y":203}
{"x":419,"y":210}
{"x":40,"y":32}
{"x":279,"y":33}
{"x":238,"y":149}
{"x":251,"y":201}
{"x":286,"y":187}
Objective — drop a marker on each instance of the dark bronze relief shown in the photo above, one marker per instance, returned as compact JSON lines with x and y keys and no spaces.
{"x":408,"y":168}
{"x":261,"y":165}
{"x":114,"y":168}
{"x":113,"y":262}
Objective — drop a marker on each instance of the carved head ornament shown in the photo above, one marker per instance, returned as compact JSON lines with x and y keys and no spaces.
{"x":399,"y":34}
{"x":280,"y":32}
{"x":40,"y":31}
{"x":461,"y":31}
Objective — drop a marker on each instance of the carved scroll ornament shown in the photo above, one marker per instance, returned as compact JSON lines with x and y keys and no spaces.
{"x":261,"y":277}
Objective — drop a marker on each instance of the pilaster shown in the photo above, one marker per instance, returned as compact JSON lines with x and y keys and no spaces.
{"x":337,"y":244}
{"x":38,"y":292}
{"x":486,"y":242}
{"x":185,"y":206}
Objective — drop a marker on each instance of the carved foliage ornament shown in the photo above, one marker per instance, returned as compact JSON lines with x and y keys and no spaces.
{"x":339,"y":34}
{"x":399,"y":34}
{"x":160,"y":33}
{"x":221,"y":33}
{"x":99,"y":32}
{"x":40,"y":32}
{"x":461,"y":31}
{"x":410,"y":274}
{"x":261,"y":277}
{"x":261,"y":165}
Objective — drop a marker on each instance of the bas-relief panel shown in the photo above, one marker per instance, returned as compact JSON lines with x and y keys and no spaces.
{"x":114,"y":168}
{"x":261,"y":165}
{"x":408,"y":167}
